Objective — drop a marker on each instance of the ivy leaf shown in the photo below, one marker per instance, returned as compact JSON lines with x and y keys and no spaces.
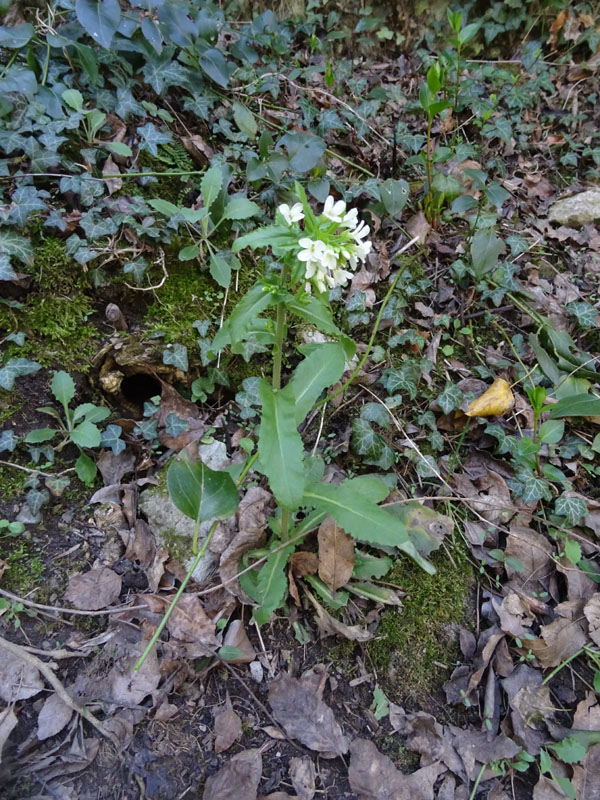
{"x":16,"y":368}
{"x":375,"y":412}
{"x":574,"y":509}
{"x":136,"y":268}
{"x":305,"y":150}
{"x":450,"y":398}
{"x":369,"y":444}
{"x":111,"y":437}
{"x":11,"y":244}
{"x":36,"y":498}
{"x":271,"y":586}
{"x":533,"y":488}
{"x":152,"y":137}
{"x":8,"y":440}
{"x":216,"y":66}
{"x":177,"y":356}
{"x":241,"y":208}
{"x":280,"y":445}
{"x":199,"y":492}
{"x":152,"y":34}
{"x":174,"y":425}
{"x":99,"y":18}
{"x":26,"y":199}
{"x":322,"y":367}
{"x":7,"y":273}
{"x":585,"y":313}
{"x":362,"y":518}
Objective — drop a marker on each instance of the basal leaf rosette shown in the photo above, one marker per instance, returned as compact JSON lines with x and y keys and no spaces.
{"x":328,"y":246}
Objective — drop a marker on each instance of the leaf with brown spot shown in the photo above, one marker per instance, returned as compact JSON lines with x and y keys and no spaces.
{"x":93,"y":590}
{"x":238,"y":778}
{"x":305,"y":717}
{"x":252,"y":521}
{"x":336,"y":554}
{"x":228,"y":728}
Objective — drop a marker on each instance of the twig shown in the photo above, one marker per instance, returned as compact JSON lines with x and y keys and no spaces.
{"x":160,"y":260}
{"x":60,"y":690}
{"x":75,"y":611}
{"x":36,"y":471}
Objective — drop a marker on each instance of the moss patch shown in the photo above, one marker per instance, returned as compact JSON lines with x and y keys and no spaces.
{"x":413,"y":642}
{"x":12,"y":481}
{"x":25,"y":567}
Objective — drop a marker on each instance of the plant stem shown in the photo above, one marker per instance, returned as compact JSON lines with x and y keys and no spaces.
{"x":276,"y":380}
{"x":428,"y":154}
{"x":178,"y":594}
{"x":477,"y":782}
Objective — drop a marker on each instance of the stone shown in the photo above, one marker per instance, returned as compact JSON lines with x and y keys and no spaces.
{"x":174,"y":530}
{"x":579,"y":209}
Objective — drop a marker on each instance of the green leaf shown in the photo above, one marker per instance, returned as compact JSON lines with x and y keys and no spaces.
{"x":574,"y":509}
{"x":85,"y":469}
{"x":394,"y":195}
{"x":256,"y":300}
{"x":215,"y":65}
{"x":280,"y":445}
{"x":190,"y":252}
{"x":378,"y":594}
{"x":111,"y":437}
{"x":12,"y":244}
{"x":426,"y":528}
{"x":370,"y":445}
{"x":16,"y":36}
{"x":270,"y":236}
{"x":199,"y":492}
{"x":313,"y":310}
{"x":86,"y":434}
{"x":545,"y":761}
{"x":380,"y":706}
{"x":7,"y":273}
{"x":577,"y":405}
{"x":551,"y":431}
{"x":569,"y":750}
{"x":241,"y":208}
{"x":486,"y":248}
{"x":16,"y":368}
{"x":91,"y":412}
{"x":40,"y":435}
{"x":73,"y":98}
{"x":450,"y":398}
{"x":99,"y":18}
{"x":363,"y":519}
{"x":573,"y":551}
{"x":305,"y":150}
{"x":63,"y":387}
{"x":169,"y":209}
{"x":212,"y":181}
{"x":245,"y":120}
{"x":468,"y":32}
{"x":321,"y":368}
{"x":177,"y":355}
{"x":119,"y":148}
{"x":272,"y":584}
{"x":220,"y":269}
{"x":368,"y":566}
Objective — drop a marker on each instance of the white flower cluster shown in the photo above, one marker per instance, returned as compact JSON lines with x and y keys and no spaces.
{"x":330,"y":248}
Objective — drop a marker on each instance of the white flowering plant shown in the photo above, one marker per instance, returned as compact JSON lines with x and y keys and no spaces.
{"x":314,"y":253}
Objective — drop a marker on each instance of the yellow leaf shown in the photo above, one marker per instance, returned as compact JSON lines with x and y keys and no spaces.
{"x":496,"y":400}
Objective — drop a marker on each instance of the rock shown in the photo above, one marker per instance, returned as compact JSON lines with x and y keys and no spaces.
{"x":175,"y":530}
{"x":579,"y":209}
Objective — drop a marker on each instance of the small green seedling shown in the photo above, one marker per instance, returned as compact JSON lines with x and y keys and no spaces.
{"x":10,"y":528}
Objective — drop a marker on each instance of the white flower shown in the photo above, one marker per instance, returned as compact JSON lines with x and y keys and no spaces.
{"x":291,"y":215}
{"x":312,"y":249}
{"x":360,"y":232}
{"x":350,"y":219}
{"x":334,"y":209}
{"x":362,"y":250}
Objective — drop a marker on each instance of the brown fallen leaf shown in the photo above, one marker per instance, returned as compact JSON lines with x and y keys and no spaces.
{"x":8,"y":720}
{"x":197,"y":148}
{"x":475,"y":749}
{"x":252,"y":521}
{"x":18,"y":679}
{"x":496,"y":400}
{"x":302,"y":775}
{"x":303,"y":563}
{"x":585,"y":777}
{"x":533,"y":550}
{"x":188,"y":621}
{"x":53,"y":717}
{"x":330,"y":626}
{"x":336,"y":554}
{"x":559,"y":640}
{"x":373,"y":776}
{"x":592,"y":614}
{"x":238,"y":778}
{"x":305,"y":717}
{"x":237,"y":637}
{"x":113,"y":467}
{"x":228,"y":728}
{"x":129,"y":687}
{"x":110,"y":168}
{"x":93,"y":590}
{"x":531,"y":705}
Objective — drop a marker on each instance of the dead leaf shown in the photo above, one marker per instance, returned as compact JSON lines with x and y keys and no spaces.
{"x":197,"y":148}
{"x":113,"y":467}
{"x":515,"y":616}
{"x":236,"y":636}
{"x":336,"y":554}
{"x":559,"y":640}
{"x":18,"y":679}
{"x":592,"y":614}
{"x":188,"y":621}
{"x":171,"y":402}
{"x":373,"y":776}
{"x":110,"y":168}
{"x":228,"y":728}
{"x":302,"y":775}
{"x":303,"y":563}
{"x":238,"y":778}
{"x":305,"y":717}
{"x":475,"y":749}
{"x":585,"y":778}
{"x":427,"y":528}
{"x":53,"y":717}
{"x":252,"y":521}
{"x":129,"y":687}
{"x":93,"y":590}
{"x":531,"y":705}
{"x":330,"y":626}
{"x":533,"y":550}
{"x":8,"y":720}
{"x":496,"y":400}
{"x":587,"y":714}
{"x":417,"y":225}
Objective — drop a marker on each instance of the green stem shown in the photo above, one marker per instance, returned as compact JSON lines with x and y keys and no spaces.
{"x":428,"y":154}
{"x":362,"y":361}
{"x":178,"y":594}
{"x":477,"y":782}
{"x":548,"y":678}
{"x":279,"y":332}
